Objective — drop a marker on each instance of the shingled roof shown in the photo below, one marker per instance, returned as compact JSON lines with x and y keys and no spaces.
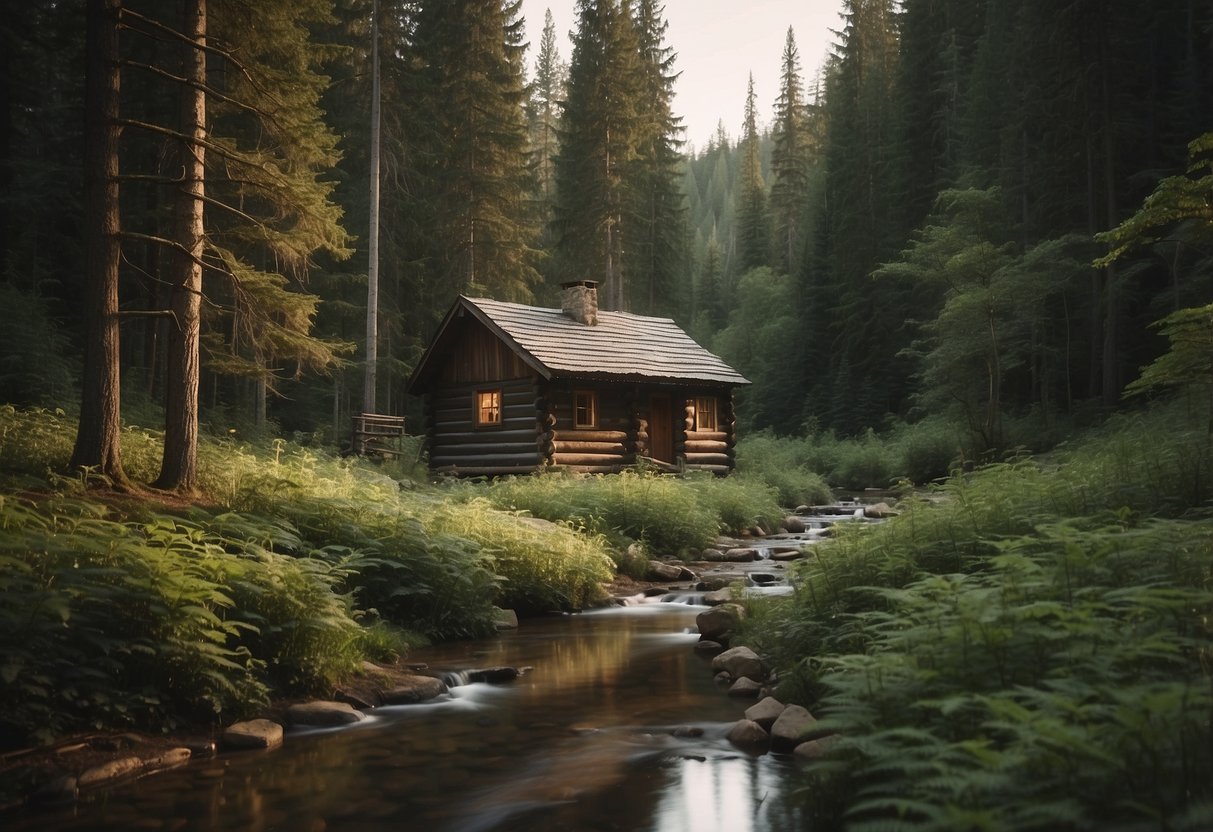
{"x":620,"y":346}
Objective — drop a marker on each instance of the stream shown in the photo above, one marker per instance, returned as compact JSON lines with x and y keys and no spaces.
{"x":583,"y":741}
{"x":617,"y":725}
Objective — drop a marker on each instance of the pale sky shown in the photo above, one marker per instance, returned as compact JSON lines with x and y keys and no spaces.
{"x":719,"y":43}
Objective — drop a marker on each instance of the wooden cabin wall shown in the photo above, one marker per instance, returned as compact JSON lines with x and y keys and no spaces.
{"x":608,"y":448}
{"x":477,"y":355}
{"x":706,"y":450}
{"x":458,"y":446}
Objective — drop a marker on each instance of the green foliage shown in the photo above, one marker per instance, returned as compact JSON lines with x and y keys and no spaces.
{"x":308,"y":565}
{"x":1024,"y":647}
{"x":668,"y":515}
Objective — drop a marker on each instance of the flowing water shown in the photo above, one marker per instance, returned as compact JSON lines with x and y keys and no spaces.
{"x":618,"y":726}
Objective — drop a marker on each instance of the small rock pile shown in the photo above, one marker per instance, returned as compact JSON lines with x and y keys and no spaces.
{"x":768,"y":725}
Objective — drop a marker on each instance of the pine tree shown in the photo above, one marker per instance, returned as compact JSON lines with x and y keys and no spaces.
{"x":752,"y":225}
{"x":546,"y":92}
{"x":790,"y":160}
{"x":599,"y":137}
{"x":655,"y":254}
{"x":476,"y":176}
{"x":252,"y":142}
{"x":98,"y":438}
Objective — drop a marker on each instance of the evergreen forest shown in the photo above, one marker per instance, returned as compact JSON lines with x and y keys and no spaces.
{"x":967,"y":260}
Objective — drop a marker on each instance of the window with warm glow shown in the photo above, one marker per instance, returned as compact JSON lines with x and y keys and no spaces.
{"x":488,"y":407}
{"x":585,"y":409}
{"x":705,"y":413}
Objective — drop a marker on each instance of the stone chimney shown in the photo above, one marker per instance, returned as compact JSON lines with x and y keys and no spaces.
{"x":579,"y":300}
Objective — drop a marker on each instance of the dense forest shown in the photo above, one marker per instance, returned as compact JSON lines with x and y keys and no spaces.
{"x":917,"y":233}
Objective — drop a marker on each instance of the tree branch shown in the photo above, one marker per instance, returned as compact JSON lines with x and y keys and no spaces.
{"x":206,"y":88}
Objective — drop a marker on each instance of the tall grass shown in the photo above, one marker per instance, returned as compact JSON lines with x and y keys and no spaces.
{"x":1028,"y":647}
{"x":670,"y":516}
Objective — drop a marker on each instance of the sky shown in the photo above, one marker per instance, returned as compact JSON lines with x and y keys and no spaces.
{"x":719,"y":43}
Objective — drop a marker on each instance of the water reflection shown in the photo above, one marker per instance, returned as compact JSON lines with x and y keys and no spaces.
{"x":585,"y":741}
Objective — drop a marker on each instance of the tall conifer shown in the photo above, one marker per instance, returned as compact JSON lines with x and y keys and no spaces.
{"x":753,"y":238}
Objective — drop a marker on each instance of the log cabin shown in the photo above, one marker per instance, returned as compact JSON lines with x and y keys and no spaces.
{"x":512,"y":389}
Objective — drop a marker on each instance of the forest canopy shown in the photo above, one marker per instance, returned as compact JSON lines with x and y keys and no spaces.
{"x":973,"y":210}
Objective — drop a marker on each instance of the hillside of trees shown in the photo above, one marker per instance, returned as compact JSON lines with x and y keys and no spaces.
{"x":921,"y":228}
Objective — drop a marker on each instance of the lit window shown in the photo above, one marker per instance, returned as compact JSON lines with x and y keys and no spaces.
{"x":705,"y":413}
{"x":488,"y":407}
{"x":585,"y":410}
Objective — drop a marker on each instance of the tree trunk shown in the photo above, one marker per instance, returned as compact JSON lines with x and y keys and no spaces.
{"x":98,"y":443}
{"x":179,"y":469}
{"x":370,"y":380}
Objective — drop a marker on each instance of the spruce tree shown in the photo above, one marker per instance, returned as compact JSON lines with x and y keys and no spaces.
{"x":655,"y":253}
{"x":753,"y":248}
{"x":546,"y":93}
{"x":790,"y":160}
{"x":599,"y":139}
{"x":475,"y":172}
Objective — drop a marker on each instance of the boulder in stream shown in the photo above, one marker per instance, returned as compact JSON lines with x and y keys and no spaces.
{"x":323,"y":713}
{"x":660,"y":571}
{"x":749,"y":734}
{"x":794,"y":726}
{"x":738,"y":662}
{"x":745,"y":686}
{"x":793,"y":524}
{"x":765,"y":712}
{"x":719,"y":621}
{"x":409,"y":690}
{"x":255,"y":733}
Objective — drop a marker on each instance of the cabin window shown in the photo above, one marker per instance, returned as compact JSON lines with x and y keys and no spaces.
{"x":705,"y":413}
{"x":488,"y":408}
{"x":585,"y":409}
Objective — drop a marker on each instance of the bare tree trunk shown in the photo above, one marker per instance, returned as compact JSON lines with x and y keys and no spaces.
{"x":98,"y":442}
{"x":371,"y":379}
{"x":179,"y":469}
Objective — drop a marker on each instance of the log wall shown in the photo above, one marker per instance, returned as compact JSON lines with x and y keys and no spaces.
{"x":458,"y":446}
{"x":709,"y":450}
{"x":607,"y":448}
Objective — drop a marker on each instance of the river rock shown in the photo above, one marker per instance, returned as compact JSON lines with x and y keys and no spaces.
{"x":711,"y":583}
{"x":718,"y":597}
{"x":169,"y":759}
{"x":659,"y":571}
{"x":763,"y":578}
{"x":106,"y":772}
{"x":745,"y":686}
{"x":409,"y":690}
{"x":322,"y":712}
{"x":783,"y":555}
{"x":712,"y":555}
{"x":879,"y":511}
{"x":708,"y":647}
{"x":493,"y":675}
{"x":738,"y":662}
{"x":748,"y":733}
{"x":794,"y":726}
{"x":719,"y":621}
{"x":741,"y":555}
{"x":255,"y":733}
{"x":793,"y":524}
{"x":816,"y":749}
{"x":765,"y":712}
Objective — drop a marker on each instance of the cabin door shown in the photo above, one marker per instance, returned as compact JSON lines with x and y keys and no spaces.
{"x":661,"y":429}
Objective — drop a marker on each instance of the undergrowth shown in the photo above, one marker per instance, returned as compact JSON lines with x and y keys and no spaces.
{"x":294,"y":568}
{"x":1025,"y":647}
